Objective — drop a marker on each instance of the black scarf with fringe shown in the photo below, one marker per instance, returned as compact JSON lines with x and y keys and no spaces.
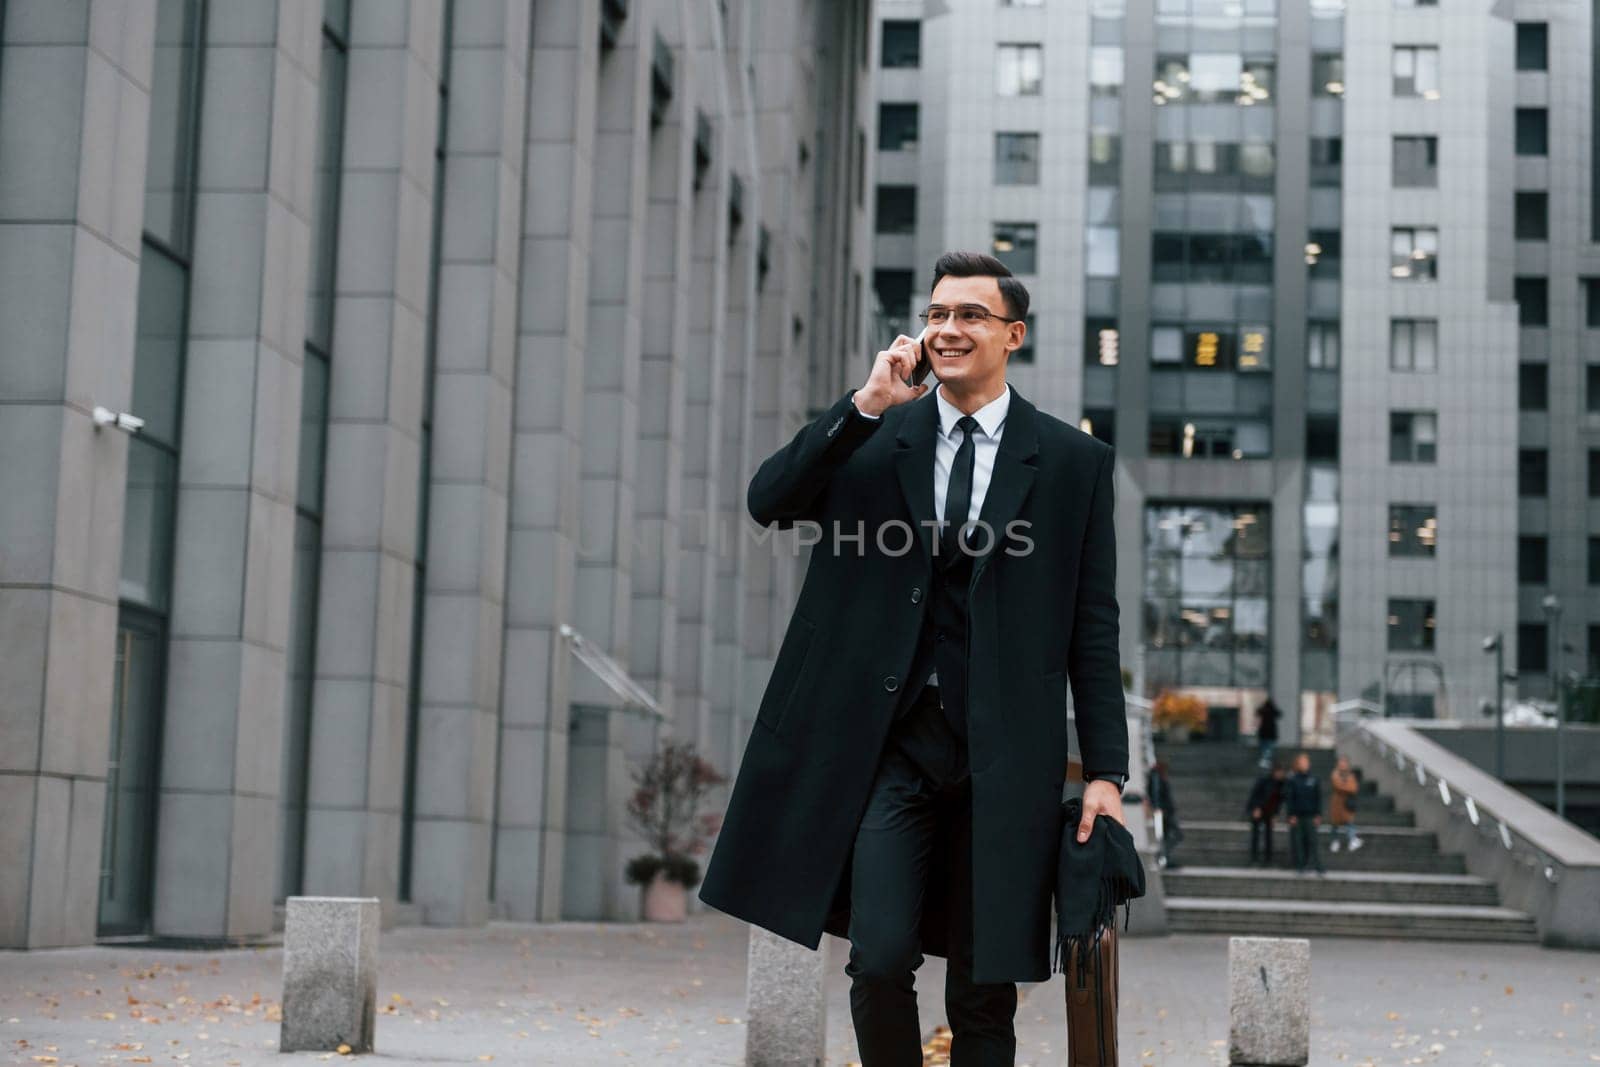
{"x":1092,"y":880}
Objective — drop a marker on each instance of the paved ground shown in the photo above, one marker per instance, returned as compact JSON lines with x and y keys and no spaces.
{"x":580,"y":994}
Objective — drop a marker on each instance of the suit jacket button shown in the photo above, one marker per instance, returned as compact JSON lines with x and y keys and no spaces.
{"x":891,"y":683}
{"x":916,"y":596}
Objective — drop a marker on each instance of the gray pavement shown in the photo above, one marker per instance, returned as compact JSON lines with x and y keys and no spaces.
{"x":582,"y":994}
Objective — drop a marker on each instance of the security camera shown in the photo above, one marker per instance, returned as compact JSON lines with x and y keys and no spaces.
{"x":122,"y":420}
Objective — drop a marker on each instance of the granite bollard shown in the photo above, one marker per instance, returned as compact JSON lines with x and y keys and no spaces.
{"x":330,"y":974}
{"x":1269,"y":1001}
{"x":785,"y":1012}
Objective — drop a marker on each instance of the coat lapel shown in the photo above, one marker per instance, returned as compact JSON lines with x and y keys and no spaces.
{"x":1014,"y":468}
{"x":914,"y":464}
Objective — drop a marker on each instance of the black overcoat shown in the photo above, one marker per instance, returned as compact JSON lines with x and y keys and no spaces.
{"x":1042,"y":614}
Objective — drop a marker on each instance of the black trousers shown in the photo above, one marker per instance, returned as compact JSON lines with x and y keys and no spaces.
{"x":921,"y":801}
{"x":1261,"y":832}
{"x":1303,"y":844}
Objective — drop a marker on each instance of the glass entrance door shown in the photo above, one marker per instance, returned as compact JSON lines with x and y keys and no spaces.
{"x":127,"y":849}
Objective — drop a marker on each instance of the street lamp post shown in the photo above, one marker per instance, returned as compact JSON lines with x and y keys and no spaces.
{"x":1552,"y":610}
{"x":1497,"y":645}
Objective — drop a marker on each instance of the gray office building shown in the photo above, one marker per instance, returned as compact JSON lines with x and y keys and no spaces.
{"x":379,"y":381}
{"x":1322,"y":272}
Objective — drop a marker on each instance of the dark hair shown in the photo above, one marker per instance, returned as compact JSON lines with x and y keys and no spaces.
{"x":978,"y":265}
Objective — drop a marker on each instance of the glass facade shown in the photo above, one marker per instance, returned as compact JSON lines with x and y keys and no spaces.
{"x":1103,"y":233}
{"x":1213,"y":232}
{"x":145,"y":581}
{"x":1206,"y":596}
{"x":313,"y":442}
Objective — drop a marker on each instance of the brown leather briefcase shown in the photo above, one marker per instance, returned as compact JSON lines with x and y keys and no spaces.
{"x":1092,"y":1005}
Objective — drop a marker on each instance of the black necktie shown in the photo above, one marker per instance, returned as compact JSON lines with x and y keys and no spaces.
{"x":958,"y":491}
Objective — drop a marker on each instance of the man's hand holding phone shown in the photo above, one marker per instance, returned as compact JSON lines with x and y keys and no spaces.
{"x":896,"y":378}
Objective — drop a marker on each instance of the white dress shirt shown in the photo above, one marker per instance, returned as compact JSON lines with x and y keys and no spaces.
{"x":991,"y":419}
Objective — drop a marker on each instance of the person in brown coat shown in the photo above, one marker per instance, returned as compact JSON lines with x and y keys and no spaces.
{"x":1342,"y":809}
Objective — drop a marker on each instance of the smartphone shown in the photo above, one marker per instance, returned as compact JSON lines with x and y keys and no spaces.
{"x":924,"y":366}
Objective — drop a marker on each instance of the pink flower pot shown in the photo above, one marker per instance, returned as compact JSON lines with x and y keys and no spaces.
{"x":665,"y":901}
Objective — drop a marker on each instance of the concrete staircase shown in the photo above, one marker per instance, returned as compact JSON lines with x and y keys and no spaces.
{"x":1398,"y":885}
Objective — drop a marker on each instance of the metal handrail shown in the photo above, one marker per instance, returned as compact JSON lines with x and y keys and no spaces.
{"x":1461,"y":804}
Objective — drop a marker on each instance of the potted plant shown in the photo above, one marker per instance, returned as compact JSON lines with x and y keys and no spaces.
{"x":665,"y":811}
{"x":1178,"y":715}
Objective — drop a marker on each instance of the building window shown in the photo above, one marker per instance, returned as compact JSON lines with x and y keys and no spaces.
{"x":1594,"y":560}
{"x":1207,"y":595}
{"x":1327,"y":160}
{"x":897,"y":209}
{"x":1591,"y":387}
{"x":1411,"y":625}
{"x":1591,"y":303}
{"x":1533,"y":216}
{"x":1416,"y":162}
{"x":1533,"y":131}
{"x":1533,"y":648}
{"x":1016,"y":159}
{"x":1413,"y":437}
{"x":1416,"y":71}
{"x":902,"y":43}
{"x":1322,"y":345}
{"x":1100,"y":423}
{"x":1413,"y":529}
{"x":1414,"y":345}
{"x":1414,"y":253}
{"x":1016,"y":244}
{"x":1533,"y":560}
{"x":893,"y":289}
{"x":1327,"y":74}
{"x":1533,"y":46}
{"x":1102,"y":251}
{"x":1533,"y":387}
{"x":897,"y":127}
{"x":1105,"y":71}
{"x":1102,"y":344}
{"x":1533,"y":472}
{"x":1019,"y":69}
{"x":1594,"y":649}
{"x":1533,"y":301}
{"x":1105,"y":157}
{"x":1323,"y":254}
{"x":1594,"y":473}
{"x":1322,"y":438}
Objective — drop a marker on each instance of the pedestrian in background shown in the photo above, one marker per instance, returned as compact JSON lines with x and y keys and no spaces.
{"x":1267,"y":716}
{"x":1302,"y":795}
{"x":1345,"y":783}
{"x":1159,"y":796}
{"x":1265,"y":798}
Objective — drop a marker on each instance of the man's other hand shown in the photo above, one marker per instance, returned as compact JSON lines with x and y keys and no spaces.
{"x":1099,"y":798}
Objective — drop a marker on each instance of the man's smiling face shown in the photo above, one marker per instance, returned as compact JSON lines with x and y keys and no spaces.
{"x":971,"y":359}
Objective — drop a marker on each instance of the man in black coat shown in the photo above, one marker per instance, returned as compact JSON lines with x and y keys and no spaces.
{"x":1261,"y":807}
{"x":902,"y":785}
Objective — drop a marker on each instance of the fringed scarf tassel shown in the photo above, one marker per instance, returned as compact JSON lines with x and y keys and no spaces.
{"x":1084,"y":947}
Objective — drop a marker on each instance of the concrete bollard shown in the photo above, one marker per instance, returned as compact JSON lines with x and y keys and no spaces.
{"x":785,"y":1011}
{"x":330,"y":974}
{"x":1269,"y":1001}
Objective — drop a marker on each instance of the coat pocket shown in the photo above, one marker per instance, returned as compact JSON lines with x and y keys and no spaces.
{"x":787,"y":673}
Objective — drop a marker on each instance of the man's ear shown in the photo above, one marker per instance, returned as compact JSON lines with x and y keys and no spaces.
{"x":1016,"y":334}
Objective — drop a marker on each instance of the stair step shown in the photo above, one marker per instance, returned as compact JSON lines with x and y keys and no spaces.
{"x":1377,"y":840}
{"x":1336,"y":919}
{"x":1420,"y":862}
{"x":1214,"y":811}
{"x":1385,"y":887}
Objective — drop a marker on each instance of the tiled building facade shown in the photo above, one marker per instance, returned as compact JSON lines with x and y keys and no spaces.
{"x":455,"y":328}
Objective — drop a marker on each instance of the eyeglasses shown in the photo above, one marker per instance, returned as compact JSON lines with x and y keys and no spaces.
{"x":966,"y":315}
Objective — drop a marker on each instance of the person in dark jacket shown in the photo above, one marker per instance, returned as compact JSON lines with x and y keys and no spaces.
{"x":1267,"y":716}
{"x":1302,"y":800}
{"x":1265,"y":797}
{"x":1158,"y":795}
